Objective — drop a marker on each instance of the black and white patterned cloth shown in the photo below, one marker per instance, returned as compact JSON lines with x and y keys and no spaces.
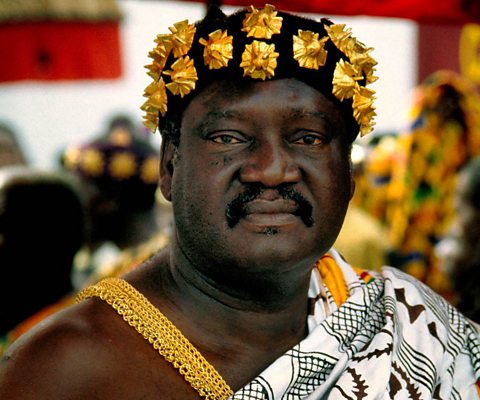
{"x":393,"y":338}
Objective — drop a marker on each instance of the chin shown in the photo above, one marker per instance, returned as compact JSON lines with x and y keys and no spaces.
{"x":272,"y":251}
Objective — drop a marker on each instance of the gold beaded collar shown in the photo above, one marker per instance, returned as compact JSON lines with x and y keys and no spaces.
{"x":266,"y":44}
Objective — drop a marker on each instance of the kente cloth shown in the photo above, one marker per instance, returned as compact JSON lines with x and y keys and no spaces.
{"x":444,"y":134}
{"x":371,"y":335}
{"x":391,"y":338}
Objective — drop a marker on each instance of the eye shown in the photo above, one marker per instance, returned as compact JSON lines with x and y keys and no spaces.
{"x":224,"y":138}
{"x":310,"y":139}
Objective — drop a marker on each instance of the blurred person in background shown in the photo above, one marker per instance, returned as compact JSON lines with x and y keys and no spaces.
{"x":119,"y":174}
{"x":382,"y":156}
{"x":363,"y":239}
{"x":42,"y":226}
{"x":459,"y":252}
{"x":11,"y":151}
{"x":121,"y":244}
{"x":444,"y":136}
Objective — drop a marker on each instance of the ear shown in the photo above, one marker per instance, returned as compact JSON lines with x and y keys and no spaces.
{"x":167,"y":153}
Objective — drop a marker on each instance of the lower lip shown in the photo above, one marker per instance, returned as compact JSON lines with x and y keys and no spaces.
{"x":264,"y":220}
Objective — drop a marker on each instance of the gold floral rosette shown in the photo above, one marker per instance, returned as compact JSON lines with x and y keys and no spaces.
{"x":176,"y":59}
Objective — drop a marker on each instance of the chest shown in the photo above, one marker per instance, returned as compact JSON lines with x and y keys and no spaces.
{"x":140,"y":372}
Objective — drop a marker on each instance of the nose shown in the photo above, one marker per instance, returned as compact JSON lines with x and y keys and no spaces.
{"x":271,"y":164}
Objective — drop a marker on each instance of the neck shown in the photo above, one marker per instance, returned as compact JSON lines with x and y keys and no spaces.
{"x":258,"y":308}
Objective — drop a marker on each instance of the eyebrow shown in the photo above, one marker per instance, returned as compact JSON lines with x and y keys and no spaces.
{"x":301,"y":113}
{"x":230,"y":114}
{"x":298,"y":113}
{"x":217,"y":115}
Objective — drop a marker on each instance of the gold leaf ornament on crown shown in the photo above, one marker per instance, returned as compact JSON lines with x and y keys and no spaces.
{"x":259,"y":61}
{"x":263,"y":23}
{"x":218,"y":49}
{"x":308,"y":50}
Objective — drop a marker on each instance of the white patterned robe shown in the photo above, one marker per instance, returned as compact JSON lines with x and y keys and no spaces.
{"x":393,"y":338}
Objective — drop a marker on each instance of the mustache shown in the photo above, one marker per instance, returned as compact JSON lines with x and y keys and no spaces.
{"x":237,"y":208}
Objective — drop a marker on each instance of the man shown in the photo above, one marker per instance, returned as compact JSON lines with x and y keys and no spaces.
{"x":248,"y":302}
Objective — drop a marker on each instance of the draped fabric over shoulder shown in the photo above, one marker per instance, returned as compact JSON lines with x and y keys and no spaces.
{"x":371,"y":335}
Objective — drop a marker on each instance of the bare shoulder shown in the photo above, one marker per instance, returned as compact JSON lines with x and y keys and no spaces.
{"x":87,"y":351}
{"x":58,"y":354}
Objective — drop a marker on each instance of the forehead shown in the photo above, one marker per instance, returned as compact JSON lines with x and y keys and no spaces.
{"x":290,"y":98}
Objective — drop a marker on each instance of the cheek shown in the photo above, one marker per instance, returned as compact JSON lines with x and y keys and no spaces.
{"x":332,"y":177}
{"x":331,"y":191}
{"x":209,"y":175}
{"x":197,"y":189}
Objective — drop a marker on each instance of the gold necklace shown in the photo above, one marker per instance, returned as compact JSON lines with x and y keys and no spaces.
{"x":165,"y":337}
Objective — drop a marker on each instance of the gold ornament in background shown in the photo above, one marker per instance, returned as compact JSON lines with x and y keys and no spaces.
{"x":92,"y":162}
{"x":120,"y":136}
{"x":122,"y":166}
{"x":263,"y":23}
{"x":183,"y":75}
{"x":218,"y":49}
{"x":308,"y":50}
{"x":259,"y":60}
{"x":149,"y":170}
{"x":71,"y":157}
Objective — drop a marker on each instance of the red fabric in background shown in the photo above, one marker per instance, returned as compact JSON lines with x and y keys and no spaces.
{"x":437,"y":48}
{"x":57,"y":50}
{"x":427,"y":11}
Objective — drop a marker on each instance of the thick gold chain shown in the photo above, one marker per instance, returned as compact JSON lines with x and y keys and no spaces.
{"x":147,"y":320}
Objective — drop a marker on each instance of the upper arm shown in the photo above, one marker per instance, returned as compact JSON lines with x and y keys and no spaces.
{"x":55,"y":360}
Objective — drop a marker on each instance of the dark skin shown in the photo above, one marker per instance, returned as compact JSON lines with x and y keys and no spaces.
{"x":233,"y":290}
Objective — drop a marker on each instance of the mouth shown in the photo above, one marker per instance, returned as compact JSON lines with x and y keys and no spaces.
{"x":269,"y":210}
{"x":274,"y":213}
{"x":277,"y":206}
{"x":270,"y":215}
{"x":269,"y":224}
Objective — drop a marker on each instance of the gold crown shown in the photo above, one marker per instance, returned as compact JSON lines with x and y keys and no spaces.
{"x":120,"y":166}
{"x":259,"y":61}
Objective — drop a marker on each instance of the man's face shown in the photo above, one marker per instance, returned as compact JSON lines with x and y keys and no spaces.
{"x":261,"y":178}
